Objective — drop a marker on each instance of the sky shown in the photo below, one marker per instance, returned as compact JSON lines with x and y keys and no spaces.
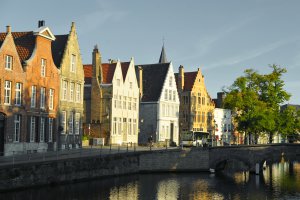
{"x":222,"y":38}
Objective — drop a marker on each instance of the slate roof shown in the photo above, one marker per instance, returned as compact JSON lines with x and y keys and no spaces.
{"x":124,"y":67}
{"x":25,"y":43}
{"x":163,"y":57}
{"x":88,"y":72}
{"x":58,"y":48}
{"x":189,"y":80}
{"x":154,"y":76}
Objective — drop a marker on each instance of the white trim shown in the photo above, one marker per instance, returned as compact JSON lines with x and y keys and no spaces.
{"x":43,"y":29}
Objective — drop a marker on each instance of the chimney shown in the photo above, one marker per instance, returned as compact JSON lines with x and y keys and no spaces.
{"x":8,"y":29}
{"x":96,"y":64}
{"x":140,"y":79}
{"x":41,"y":23}
{"x":181,"y":78}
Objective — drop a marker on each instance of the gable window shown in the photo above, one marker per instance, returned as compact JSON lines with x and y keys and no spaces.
{"x":134,"y":104}
{"x":32,"y":129}
{"x":7,"y":92}
{"x":51,"y":99}
{"x":130,"y":85}
{"x":18,"y":98}
{"x":43,"y":67}
{"x":63,"y":121}
{"x":174,"y":93}
{"x":73,"y":63}
{"x":170,"y":95}
{"x":124,"y":102}
{"x":17,"y":128}
{"x":42,"y":96}
{"x":8,"y":62}
{"x":65,"y":90}
{"x":72,"y":85}
{"x":166,"y":94}
{"x":170,"y":81}
{"x":78,"y":90}
{"x":50,"y":137}
{"x":129,"y":103}
{"x":42,"y":129}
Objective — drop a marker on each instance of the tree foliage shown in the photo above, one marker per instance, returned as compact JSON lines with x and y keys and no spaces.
{"x":256,"y":100}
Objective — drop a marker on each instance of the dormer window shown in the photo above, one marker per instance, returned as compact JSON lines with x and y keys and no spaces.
{"x":73,"y":63}
{"x":43,"y":67}
{"x":8,"y":62}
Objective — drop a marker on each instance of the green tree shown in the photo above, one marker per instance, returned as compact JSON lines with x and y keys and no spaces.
{"x":256,"y":99}
{"x":290,"y":123}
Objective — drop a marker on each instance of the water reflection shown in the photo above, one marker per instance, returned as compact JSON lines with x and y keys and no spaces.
{"x":278,"y":181}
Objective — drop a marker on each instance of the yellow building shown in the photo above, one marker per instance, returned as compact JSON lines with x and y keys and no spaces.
{"x":196,"y":106}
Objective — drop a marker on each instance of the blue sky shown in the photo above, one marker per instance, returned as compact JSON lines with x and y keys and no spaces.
{"x":222,"y":38}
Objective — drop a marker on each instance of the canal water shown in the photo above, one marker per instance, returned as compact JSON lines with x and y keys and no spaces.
{"x":278,"y":181}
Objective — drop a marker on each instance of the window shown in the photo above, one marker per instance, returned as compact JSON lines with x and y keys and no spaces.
{"x":33,"y":96}
{"x":17,"y":128}
{"x":72,"y":85}
{"x":7,"y":92}
{"x":134,"y":104}
{"x":130,"y":85}
{"x":134,"y":127}
{"x":77,"y":123}
{"x":170,"y":81}
{"x":166,"y":94}
{"x":124,"y":102}
{"x":63,"y":121}
{"x":71,"y":122}
{"x":203,"y":117}
{"x":65,"y":90}
{"x":43,"y":67}
{"x":125,"y":126}
{"x":115,"y":101}
{"x":51,"y":99}
{"x":170,"y":95}
{"x":163,"y":110}
{"x":129,"y":126}
{"x":8,"y":62}
{"x":118,"y":82}
{"x":129,"y":103}
{"x":120,"y":102}
{"x":42,"y":96}
{"x":50,"y":138}
{"x":115,"y":126}
{"x":78,"y":91}
{"x":174,"y":94}
{"x":18,"y":98}
{"x":32,"y":129}
{"x":73,"y":63}
{"x":120,"y":126}
{"x":42,"y":129}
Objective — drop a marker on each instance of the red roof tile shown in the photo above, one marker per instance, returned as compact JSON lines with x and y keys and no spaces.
{"x":108,"y":71}
{"x":88,"y":72}
{"x":124,"y":67}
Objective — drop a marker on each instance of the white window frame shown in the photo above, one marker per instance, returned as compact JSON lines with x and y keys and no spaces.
{"x":32,"y":128}
{"x":78,"y":92}
{"x":129,"y":103}
{"x":65,"y":90}
{"x":51,"y":99}
{"x":71,"y":124}
{"x":73,"y":63}
{"x":124,"y":102}
{"x":63,"y":121}
{"x":134,"y":103}
{"x":33,"y":96}
{"x":50,"y":138}
{"x":18,"y":92}
{"x":120,"y":125}
{"x":43,"y":67}
{"x":17,"y":127}
{"x":7,"y":93}
{"x":42,"y":129}
{"x":129,"y":126}
{"x":134,"y":126}
{"x":77,"y":123}
{"x":115,"y":126}
{"x":72,"y":87}
{"x":42,"y":97}
{"x":8,"y":62}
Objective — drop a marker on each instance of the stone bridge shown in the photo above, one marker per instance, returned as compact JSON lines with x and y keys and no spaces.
{"x":251,"y":157}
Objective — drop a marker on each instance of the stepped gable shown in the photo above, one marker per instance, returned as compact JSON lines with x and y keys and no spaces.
{"x":58,"y":48}
{"x":154,"y":76}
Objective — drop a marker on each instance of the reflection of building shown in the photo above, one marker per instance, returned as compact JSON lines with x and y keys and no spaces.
{"x":223,"y":125}
{"x":66,"y":56}
{"x":112,"y":100}
{"x":29,"y":82}
{"x":159,"y":102}
{"x":196,"y":106}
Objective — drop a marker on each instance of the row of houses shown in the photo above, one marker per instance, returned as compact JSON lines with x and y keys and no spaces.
{"x":49,"y":99}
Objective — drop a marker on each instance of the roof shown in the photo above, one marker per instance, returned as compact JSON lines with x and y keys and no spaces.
{"x":163,"y":57}
{"x":58,"y":48}
{"x":189,"y":80}
{"x":124,"y":67}
{"x":154,"y":76}
{"x":108,"y":71}
{"x":24,"y":41}
{"x":88,"y":72}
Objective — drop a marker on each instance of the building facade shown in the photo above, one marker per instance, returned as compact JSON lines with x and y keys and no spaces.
{"x":196,"y":105}
{"x":67,"y":57}
{"x":159,"y":107}
{"x":223,"y":126}
{"x":30,"y":101}
{"x":112,"y":107}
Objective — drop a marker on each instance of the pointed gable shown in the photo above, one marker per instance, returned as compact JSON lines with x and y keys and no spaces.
{"x":163,"y":57}
{"x":58,"y":47}
{"x":154,"y":76}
